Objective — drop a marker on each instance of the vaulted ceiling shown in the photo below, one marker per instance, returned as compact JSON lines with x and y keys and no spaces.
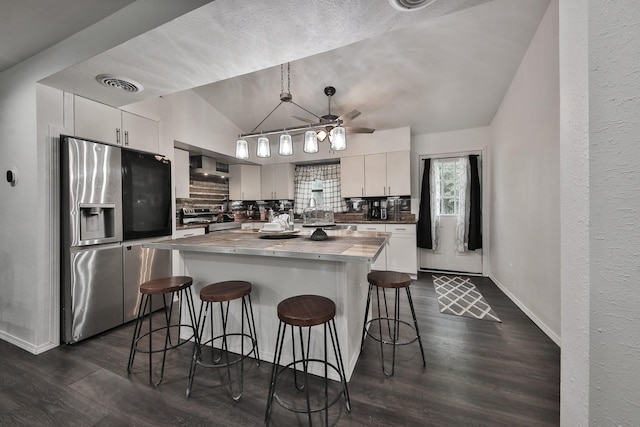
{"x":441,"y":68}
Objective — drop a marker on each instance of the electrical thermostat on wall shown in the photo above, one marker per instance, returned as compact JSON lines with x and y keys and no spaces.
{"x":12,"y":177}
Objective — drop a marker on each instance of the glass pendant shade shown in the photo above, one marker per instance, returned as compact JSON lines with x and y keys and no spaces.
{"x":286,"y":145}
{"x":310,"y":142}
{"x":338,"y":138}
{"x":322,"y":134}
{"x":263,"y":150}
{"x":242,"y":149}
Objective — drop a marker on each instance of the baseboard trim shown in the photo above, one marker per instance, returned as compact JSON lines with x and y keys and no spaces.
{"x":461,"y":273}
{"x":26,"y":346}
{"x":554,"y":337}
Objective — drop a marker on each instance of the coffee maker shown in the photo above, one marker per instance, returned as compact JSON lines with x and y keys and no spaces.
{"x":374,"y":209}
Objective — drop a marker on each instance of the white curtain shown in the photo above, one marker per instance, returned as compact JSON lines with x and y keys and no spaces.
{"x":434,"y":188}
{"x":462,"y":233}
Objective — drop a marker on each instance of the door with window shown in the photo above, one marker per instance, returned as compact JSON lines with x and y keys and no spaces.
{"x":450,"y":209}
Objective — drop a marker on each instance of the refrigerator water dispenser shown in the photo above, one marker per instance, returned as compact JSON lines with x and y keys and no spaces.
{"x":97,"y":222}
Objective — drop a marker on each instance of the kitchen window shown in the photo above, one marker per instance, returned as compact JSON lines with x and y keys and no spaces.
{"x":449,"y":174}
{"x":325,"y":177}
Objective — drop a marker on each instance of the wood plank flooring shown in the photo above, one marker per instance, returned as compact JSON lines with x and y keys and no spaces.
{"x":478,"y":373}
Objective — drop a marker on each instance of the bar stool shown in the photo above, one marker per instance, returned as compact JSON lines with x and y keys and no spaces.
{"x":390,"y":280}
{"x":163,"y":287}
{"x":307,"y":311}
{"x":222,"y":292}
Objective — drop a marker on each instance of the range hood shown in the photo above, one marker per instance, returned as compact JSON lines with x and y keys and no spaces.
{"x":208,"y":166}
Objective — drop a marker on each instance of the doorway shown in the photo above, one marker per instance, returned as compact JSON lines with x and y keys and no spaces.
{"x":450,"y":176}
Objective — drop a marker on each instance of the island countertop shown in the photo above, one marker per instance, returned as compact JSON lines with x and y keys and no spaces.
{"x":342,"y":245}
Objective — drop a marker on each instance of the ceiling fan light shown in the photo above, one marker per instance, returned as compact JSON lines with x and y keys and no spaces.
{"x":286,"y":145}
{"x":242,"y":149}
{"x":322,"y":134}
{"x":338,"y":138}
{"x":263,"y":150}
{"x":310,"y":142}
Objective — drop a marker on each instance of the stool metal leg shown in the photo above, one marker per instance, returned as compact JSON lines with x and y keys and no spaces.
{"x":415,"y":323}
{"x":341,"y":371}
{"x":366,"y":317}
{"x":136,"y":332}
{"x":282,"y":328}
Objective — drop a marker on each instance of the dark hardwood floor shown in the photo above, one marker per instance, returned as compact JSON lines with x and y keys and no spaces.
{"x":478,"y":373}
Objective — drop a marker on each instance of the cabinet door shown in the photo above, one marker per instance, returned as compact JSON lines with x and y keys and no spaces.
{"x":140,"y":133}
{"x":352,"y":176}
{"x":181,"y":173}
{"x":398,"y":173}
{"x":283,"y":181}
{"x":244,"y":183}
{"x":96,"y":121}
{"x":267,"y":182}
{"x":401,"y":249}
{"x":375,"y":175}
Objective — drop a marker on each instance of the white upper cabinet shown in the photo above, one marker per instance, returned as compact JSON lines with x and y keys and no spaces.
{"x":376,"y":175}
{"x":352,"y":176}
{"x":278,"y":181}
{"x":244,"y":183}
{"x":140,"y":133}
{"x":96,"y":121}
{"x":100,"y":122}
{"x":181,"y":173}
{"x":284,"y":185}
{"x":398,"y":173}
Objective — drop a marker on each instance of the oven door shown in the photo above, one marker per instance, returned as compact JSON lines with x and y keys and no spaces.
{"x":146,"y":195}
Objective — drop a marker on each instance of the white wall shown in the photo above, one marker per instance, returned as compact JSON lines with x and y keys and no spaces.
{"x":524,"y":180}
{"x":614,"y":210}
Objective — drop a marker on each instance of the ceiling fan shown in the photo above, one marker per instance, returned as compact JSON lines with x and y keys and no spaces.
{"x":332,"y":120}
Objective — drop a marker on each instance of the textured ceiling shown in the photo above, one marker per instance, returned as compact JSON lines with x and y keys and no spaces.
{"x":444,"y":67}
{"x":30,"y":26}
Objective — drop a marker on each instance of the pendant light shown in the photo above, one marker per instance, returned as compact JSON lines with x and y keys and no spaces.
{"x":242,"y":149}
{"x":310,"y":142}
{"x":286,"y":145}
{"x":338,"y":138}
{"x":263,"y":150}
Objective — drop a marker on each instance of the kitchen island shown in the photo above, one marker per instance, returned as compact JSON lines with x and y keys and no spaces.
{"x":280,"y":268}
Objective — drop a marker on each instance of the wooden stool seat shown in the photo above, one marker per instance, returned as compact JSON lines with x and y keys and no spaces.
{"x":165,"y":285}
{"x":306,"y":310}
{"x":389,"y":279}
{"x":225,"y":291}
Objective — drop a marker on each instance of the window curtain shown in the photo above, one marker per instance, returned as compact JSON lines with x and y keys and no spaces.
{"x":305,"y":175}
{"x":475,"y":205}
{"x":462,"y":234}
{"x":428,"y":218}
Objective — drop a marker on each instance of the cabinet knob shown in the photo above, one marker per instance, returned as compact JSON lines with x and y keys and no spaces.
{"x":126,"y":137}
{"x":118,"y":136}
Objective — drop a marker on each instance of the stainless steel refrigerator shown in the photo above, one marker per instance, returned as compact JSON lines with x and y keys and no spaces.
{"x":100,"y":273}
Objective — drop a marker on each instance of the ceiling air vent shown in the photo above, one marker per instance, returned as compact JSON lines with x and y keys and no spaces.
{"x":122,"y":83}
{"x":410,"y":5}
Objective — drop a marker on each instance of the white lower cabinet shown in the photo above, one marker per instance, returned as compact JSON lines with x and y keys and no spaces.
{"x":400,"y":253}
{"x":381,"y":261}
{"x":188,"y":232}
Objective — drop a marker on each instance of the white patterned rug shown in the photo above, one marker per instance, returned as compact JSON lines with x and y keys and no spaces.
{"x":458,"y":296}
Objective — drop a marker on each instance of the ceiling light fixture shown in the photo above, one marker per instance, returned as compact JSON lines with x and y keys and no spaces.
{"x":285,"y":147}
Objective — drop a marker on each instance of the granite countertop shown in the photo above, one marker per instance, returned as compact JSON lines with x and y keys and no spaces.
{"x":342,"y":245}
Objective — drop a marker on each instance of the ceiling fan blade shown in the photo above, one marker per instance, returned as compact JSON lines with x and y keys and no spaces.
{"x":304,"y":119}
{"x":349,"y":116}
{"x":359,"y":130}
